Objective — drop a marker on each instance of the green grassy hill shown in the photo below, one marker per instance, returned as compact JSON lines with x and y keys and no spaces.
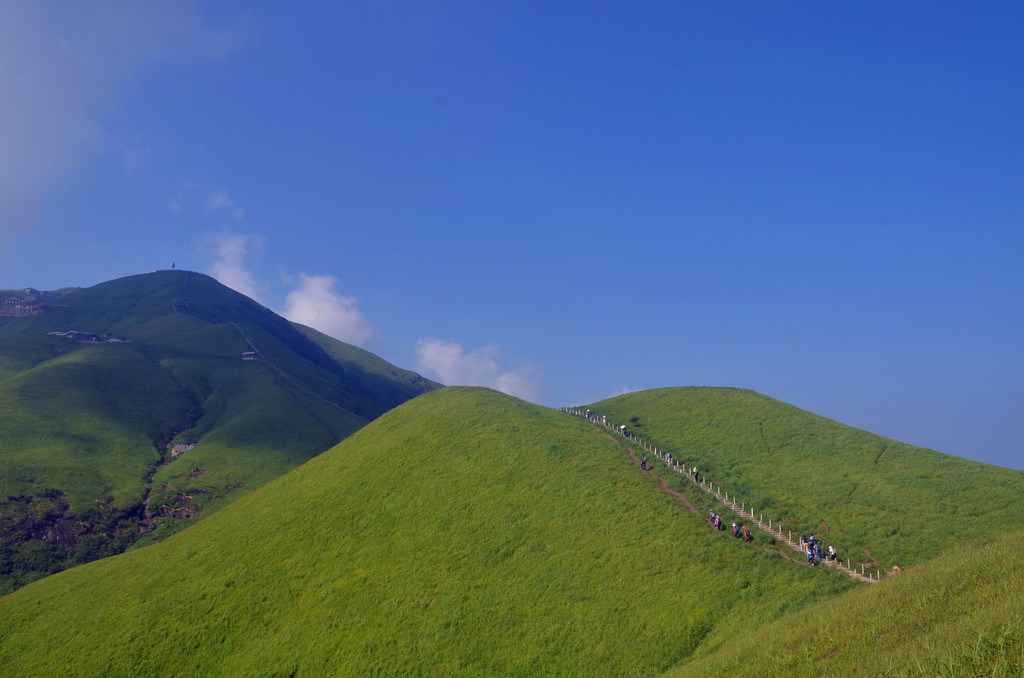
{"x":468,"y":533}
{"x":96,"y":437}
{"x":881,"y":502}
{"x":463,"y":533}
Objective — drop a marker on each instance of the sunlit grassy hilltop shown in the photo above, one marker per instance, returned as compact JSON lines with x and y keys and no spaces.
{"x":469,"y":533}
{"x":463,"y":533}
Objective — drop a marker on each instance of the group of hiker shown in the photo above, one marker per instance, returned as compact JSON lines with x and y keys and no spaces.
{"x":739,"y":530}
{"x":811,"y":546}
{"x":815,"y":553}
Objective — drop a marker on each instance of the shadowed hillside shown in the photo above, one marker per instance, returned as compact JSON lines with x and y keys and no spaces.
{"x":128,"y":410}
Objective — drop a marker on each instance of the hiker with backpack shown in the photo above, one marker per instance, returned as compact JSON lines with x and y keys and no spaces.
{"x":643,"y":462}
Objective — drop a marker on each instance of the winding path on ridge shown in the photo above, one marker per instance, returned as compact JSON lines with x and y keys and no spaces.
{"x":721,"y":497}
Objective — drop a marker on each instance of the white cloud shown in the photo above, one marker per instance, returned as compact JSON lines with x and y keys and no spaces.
{"x":481,"y":367}
{"x":313,"y":301}
{"x":62,"y":69}
{"x":316,"y":303}
{"x":229,"y":268}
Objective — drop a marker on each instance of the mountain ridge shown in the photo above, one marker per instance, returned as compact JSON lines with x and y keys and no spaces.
{"x":462,"y":531}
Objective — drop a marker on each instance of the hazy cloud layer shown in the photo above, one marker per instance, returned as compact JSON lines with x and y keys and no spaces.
{"x":316,"y":303}
{"x":229,"y":268}
{"x":62,"y":67}
{"x":482,"y":367}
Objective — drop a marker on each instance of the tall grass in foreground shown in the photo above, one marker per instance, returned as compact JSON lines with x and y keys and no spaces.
{"x":959,"y":615}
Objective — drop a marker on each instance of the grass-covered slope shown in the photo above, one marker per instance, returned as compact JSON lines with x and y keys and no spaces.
{"x":959,"y":615}
{"x":882,"y":502}
{"x":463,"y":533}
{"x":95,"y":436}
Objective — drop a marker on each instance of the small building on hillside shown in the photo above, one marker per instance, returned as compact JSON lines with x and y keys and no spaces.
{"x":75,"y":335}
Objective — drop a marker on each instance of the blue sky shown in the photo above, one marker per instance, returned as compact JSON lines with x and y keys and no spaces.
{"x":823,"y":202}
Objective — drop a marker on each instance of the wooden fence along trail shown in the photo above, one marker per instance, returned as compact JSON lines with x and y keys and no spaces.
{"x":774,"y":528}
